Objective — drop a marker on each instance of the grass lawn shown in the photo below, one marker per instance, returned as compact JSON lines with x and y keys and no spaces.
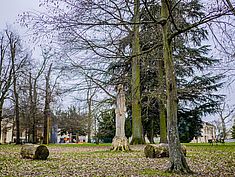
{"x":97,"y":160}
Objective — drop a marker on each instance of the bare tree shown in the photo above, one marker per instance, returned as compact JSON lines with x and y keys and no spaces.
{"x":225,"y":113}
{"x":5,"y":75}
{"x":12,"y":61}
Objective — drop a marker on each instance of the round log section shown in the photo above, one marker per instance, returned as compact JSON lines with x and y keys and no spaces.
{"x":120,"y":144}
{"x":159,"y":150}
{"x":36,"y":152}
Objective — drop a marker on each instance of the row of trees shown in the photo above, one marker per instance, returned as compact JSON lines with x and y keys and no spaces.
{"x":21,"y":94}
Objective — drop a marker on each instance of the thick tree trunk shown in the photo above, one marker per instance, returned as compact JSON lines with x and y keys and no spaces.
{"x":177,"y":160}
{"x":120,"y":142}
{"x":37,"y":152}
{"x":162,"y":109}
{"x":137,"y":129}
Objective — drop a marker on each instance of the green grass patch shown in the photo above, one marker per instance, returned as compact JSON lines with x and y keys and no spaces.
{"x":90,"y":159}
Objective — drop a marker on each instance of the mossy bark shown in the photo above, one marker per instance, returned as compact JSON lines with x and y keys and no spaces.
{"x":137,"y":135}
{"x":162,"y":109}
{"x":178,"y":162}
{"x":32,"y":151}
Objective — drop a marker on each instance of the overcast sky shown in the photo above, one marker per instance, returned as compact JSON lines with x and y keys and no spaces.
{"x":10,"y":9}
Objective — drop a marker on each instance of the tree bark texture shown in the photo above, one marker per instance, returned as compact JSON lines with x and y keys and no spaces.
{"x":36,"y":152}
{"x":162,"y":109}
{"x":90,"y":118}
{"x":137,"y":129}
{"x":120,"y":142}
{"x":178,"y":162}
{"x":159,"y":150}
{"x":47,"y":108}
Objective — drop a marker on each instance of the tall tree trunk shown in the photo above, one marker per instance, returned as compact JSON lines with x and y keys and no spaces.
{"x":47,"y":108}
{"x":89,"y":123}
{"x":17,"y":111}
{"x":34,"y":111}
{"x":224,"y":134}
{"x":137,"y":129}
{"x":177,"y":160}
{"x":162,"y":109}
{"x":30,"y":122}
{"x":151,"y":133}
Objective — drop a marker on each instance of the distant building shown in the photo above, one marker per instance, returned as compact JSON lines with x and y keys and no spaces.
{"x":8,"y":132}
{"x":208,"y":132}
{"x":6,"y":129}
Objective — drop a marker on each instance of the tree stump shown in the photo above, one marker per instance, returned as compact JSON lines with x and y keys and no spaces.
{"x":120,"y":144}
{"x":159,"y":150}
{"x":36,"y":152}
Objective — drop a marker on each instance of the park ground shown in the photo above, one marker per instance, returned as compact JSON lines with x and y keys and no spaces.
{"x":98,"y":160}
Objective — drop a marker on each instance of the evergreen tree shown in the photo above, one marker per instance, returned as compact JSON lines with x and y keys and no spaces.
{"x":195,"y":90}
{"x":106,"y":126}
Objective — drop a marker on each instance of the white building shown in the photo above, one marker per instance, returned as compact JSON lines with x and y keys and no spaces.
{"x":208,"y":133}
{"x":6,"y":129}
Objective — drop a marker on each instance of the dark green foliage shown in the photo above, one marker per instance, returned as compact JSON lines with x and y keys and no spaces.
{"x":190,"y":125}
{"x":106,"y":126}
{"x":128,"y":127}
{"x":196,"y":86}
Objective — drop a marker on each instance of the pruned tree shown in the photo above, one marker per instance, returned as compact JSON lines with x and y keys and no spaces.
{"x":120,"y":142}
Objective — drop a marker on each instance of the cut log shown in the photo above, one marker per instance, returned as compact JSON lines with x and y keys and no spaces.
{"x":32,"y":151}
{"x":159,"y":150}
{"x":120,"y":144}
